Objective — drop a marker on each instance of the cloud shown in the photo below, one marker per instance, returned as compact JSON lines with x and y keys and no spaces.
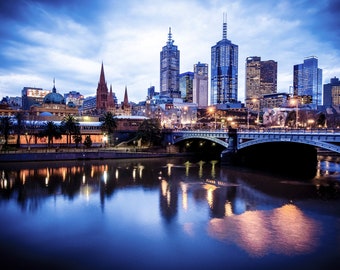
{"x":69,"y":40}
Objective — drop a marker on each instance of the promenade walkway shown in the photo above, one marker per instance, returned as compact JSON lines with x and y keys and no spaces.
{"x":48,"y":154}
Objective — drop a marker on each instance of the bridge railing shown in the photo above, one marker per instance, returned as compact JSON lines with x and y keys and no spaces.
{"x":260,"y":130}
{"x":290,"y":130}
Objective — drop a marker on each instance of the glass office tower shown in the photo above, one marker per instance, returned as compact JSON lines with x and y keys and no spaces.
{"x":169,"y":65}
{"x":224,"y":70}
{"x":307,"y":82}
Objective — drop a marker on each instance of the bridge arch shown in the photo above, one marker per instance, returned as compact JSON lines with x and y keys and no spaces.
{"x":209,"y":138}
{"x":320,"y":144}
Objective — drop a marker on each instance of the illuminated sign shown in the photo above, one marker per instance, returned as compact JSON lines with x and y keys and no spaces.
{"x":37,"y":93}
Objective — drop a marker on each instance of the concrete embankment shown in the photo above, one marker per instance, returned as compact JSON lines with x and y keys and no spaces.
{"x":47,"y":156}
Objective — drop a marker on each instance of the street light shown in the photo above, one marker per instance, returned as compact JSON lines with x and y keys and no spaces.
{"x":310,"y":123}
{"x":229,"y":119}
{"x":295,"y":101}
{"x":212,"y":110}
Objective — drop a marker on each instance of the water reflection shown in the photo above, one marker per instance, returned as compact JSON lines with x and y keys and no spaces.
{"x":226,"y":190}
{"x":284,"y":230}
{"x":259,"y":213}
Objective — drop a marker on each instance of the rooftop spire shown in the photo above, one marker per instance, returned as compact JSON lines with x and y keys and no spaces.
{"x":170,"y":40}
{"x":126,"y":100}
{"x":54,"y":90}
{"x":224,"y":25}
{"x":102,"y":75}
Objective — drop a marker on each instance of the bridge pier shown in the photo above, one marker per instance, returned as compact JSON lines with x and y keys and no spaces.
{"x":229,"y":156}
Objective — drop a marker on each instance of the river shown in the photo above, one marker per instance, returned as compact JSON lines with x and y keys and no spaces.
{"x":167,"y":213}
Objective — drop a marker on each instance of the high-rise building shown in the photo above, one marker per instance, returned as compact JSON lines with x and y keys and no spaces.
{"x":224,"y":70}
{"x":151,"y":92}
{"x":307,"y":81}
{"x":200,"y":85}
{"x":33,"y":96}
{"x":261,"y":77}
{"x":169,"y":69}
{"x":331,"y":93}
{"x":185,"y":85}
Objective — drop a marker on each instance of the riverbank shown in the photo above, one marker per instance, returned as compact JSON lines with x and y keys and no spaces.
{"x":25,"y":155}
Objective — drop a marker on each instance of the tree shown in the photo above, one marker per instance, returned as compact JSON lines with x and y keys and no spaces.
{"x":5,"y":128}
{"x":19,"y":126}
{"x":108,"y":124}
{"x":88,"y":141}
{"x":150,"y":131}
{"x":77,"y":139}
{"x":321,"y":120}
{"x":51,"y":131}
{"x":70,"y":126}
{"x":291,"y":119}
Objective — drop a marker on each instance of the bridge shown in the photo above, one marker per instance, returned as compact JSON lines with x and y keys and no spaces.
{"x":328,"y":139}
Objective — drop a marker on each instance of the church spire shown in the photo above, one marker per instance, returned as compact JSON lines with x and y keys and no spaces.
{"x":102,"y":92}
{"x":110,"y":102}
{"x":102,"y":75}
{"x":126,"y":100}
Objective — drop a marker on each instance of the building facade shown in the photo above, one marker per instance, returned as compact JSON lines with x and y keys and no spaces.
{"x":224,"y":70}
{"x":307,"y":81}
{"x":261,"y":77}
{"x":33,"y":96}
{"x":53,"y":104}
{"x":331,"y":93}
{"x":169,"y":69}
{"x":186,"y":85}
{"x":75,"y":97}
{"x":200,"y":85}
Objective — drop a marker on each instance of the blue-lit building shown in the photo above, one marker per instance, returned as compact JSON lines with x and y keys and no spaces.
{"x":169,"y":69}
{"x":185,"y":85}
{"x":307,"y":82}
{"x":224,"y":70}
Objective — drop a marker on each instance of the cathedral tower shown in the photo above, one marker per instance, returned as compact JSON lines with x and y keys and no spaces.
{"x":102,"y":93}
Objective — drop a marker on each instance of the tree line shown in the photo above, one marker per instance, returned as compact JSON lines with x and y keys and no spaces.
{"x":149,"y":132}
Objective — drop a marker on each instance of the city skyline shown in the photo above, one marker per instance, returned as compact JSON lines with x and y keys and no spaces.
{"x":68,"y":40}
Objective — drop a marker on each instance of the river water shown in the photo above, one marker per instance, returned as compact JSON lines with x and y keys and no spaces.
{"x":167,"y":213}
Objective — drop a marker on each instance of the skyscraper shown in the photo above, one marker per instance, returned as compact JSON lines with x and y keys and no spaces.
{"x":307,"y":81}
{"x":169,"y":69}
{"x":224,"y":70}
{"x":185,"y":85}
{"x":261,"y":77}
{"x":200,"y":85}
{"x":331,"y":93}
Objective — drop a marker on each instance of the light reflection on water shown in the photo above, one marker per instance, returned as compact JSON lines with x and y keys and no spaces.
{"x":284,"y":230}
{"x":171,"y":212}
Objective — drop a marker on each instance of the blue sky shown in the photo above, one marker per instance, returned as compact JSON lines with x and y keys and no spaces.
{"x":69,"y":39}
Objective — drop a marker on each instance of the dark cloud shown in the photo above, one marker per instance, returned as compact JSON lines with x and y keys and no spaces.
{"x":325,"y":25}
